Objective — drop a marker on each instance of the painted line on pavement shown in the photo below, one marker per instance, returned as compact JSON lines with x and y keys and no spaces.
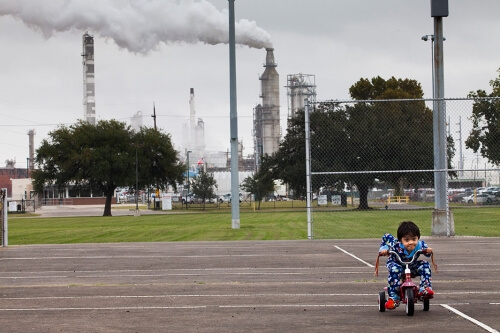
{"x":463,"y":315}
{"x":352,"y":255}
{"x":195,"y":307}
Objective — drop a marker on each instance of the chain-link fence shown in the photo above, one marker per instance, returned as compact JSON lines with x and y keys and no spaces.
{"x":380,"y":155}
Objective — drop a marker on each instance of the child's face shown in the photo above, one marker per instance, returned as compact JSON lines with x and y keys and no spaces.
{"x":409,"y":242}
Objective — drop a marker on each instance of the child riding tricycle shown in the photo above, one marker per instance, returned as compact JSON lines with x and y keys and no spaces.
{"x":403,"y":265}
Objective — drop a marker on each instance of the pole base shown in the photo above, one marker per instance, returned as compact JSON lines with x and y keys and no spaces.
{"x":440,"y":225}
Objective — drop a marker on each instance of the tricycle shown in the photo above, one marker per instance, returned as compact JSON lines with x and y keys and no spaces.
{"x":408,"y":292}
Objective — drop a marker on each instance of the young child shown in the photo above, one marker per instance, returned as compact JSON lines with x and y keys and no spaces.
{"x":405,"y":245}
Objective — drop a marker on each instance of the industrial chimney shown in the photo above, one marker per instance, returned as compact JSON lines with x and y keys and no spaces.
{"x":88,"y":79}
{"x":31,"y":158}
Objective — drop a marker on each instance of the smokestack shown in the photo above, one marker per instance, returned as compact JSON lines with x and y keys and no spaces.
{"x":192,"y":115}
{"x":31,"y":159}
{"x":270,"y":58}
{"x":88,"y":79}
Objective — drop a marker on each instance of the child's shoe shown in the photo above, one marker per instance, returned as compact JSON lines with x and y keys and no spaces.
{"x":391,"y":303}
{"x":426,"y":292}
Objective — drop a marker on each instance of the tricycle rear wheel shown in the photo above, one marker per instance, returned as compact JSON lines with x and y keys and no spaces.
{"x":381,"y":301}
{"x":427,"y":304}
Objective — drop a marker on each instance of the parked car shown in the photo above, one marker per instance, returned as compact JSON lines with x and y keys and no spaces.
{"x":492,"y":190}
{"x":458,"y":197}
{"x":480,"y":189}
{"x":193,"y":198}
{"x":190,"y":199}
{"x":227,"y":198}
{"x":481,"y":198}
{"x":497,"y":198}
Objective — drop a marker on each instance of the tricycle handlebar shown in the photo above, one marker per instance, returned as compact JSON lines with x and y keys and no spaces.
{"x":398,"y":258}
{"x":414,"y":257}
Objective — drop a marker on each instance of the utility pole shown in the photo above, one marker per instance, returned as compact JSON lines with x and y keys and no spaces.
{"x":154,"y":114}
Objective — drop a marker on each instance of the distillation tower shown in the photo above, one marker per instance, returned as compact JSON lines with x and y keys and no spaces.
{"x":299,"y":88}
{"x":266,"y":118}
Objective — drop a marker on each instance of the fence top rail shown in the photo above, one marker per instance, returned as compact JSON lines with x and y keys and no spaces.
{"x":396,"y":171}
{"x":335,"y":101}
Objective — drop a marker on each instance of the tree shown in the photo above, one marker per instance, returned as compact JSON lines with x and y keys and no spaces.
{"x":261,"y":183}
{"x":288,"y":163}
{"x":390,"y":135}
{"x":103,"y":157}
{"x":159,"y":164}
{"x":485,"y":134}
{"x":203,"y":186}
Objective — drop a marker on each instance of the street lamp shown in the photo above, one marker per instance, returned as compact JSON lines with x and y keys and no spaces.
{"x":425,"y":38}
{"x":187,"y":153}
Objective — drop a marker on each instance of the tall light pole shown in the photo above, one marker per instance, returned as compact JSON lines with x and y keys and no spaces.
{"x":442,"y":217}
{"x":187,"y":193}
{"x":235,"y":207}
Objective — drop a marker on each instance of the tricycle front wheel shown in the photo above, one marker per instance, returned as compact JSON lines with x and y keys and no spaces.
{"x":410,"y":302}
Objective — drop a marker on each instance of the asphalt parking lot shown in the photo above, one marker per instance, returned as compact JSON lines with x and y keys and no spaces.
{"x":265,"y":286}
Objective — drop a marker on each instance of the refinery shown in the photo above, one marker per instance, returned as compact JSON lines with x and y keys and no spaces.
{"x":267,"y":130}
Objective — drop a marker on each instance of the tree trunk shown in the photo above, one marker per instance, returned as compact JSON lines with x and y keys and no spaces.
{"x":107,"y":205}
{"x":363,"y":196}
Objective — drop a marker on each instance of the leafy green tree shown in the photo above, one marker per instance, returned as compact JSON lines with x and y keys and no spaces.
{"x":203,"y":186}
{"x":159,"y":164}
{"x":261,"y":183}
{"x":485,"y":134}
{"x":288,"y":163}
{"x":390,"y":135}
{"x":103,"y":157}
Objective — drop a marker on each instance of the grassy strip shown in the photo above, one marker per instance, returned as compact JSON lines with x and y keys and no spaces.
{"x":216,"y":226}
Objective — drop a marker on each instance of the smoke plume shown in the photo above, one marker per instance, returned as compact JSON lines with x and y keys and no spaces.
{"x":136,"y":25}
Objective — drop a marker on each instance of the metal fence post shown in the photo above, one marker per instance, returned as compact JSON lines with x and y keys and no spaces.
{"x":4,"y":217}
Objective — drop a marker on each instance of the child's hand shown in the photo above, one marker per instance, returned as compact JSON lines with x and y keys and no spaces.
{"x":429,"y":252}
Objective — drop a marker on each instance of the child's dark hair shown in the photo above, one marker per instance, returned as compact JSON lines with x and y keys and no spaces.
{"x":408,"y":228}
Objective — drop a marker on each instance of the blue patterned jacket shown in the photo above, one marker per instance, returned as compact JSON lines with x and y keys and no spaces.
{"x":389,"y":242}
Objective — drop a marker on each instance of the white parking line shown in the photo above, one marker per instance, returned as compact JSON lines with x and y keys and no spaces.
{"x":463,"y":315}
{"x":110,"y":308}
{"x":195,"y":307}
{"x":352,"y":255}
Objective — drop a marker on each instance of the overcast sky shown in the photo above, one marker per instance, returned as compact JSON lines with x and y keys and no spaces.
{"x":154,"y":51}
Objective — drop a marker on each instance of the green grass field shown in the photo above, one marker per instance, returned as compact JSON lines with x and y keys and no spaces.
{"x":198,"y":225}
